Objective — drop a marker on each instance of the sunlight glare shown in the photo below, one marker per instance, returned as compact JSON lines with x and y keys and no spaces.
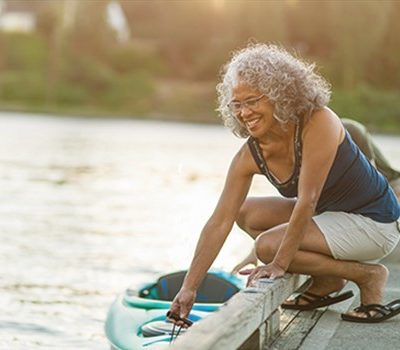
{"x":218,"y":4}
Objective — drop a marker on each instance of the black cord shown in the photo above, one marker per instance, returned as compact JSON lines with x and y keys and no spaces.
{"x":172,"y":334}
{"x":179,"y":329}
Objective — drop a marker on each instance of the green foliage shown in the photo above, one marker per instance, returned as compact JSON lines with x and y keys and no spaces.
{"x":69,"y":94}
{"x":29,"y":88}
{"x":89,"y":73}
{"x":24,"y":52}
{"x":126,"y":59}
{"x":131,"y":93}
{"x":378,"y":109}
{"x":23,"y":78}
{"x":178,"y":47}
{"x":194,"y":100}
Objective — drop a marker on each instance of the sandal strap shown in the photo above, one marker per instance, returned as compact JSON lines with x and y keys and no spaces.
{"x":318,"y":297}
{"x":302,"y":296}
{"x":395,"y":304}
{"x":312,"y":295}
{"x":381,"y":309}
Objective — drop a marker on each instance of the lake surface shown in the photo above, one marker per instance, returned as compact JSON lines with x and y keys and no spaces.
{"x":91,"y":206}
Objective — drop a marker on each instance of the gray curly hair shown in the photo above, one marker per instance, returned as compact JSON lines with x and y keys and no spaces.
{"x":289,"y":83}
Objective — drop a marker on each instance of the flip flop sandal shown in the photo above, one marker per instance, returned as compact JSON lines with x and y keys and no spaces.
{"x":315,"y":301}
{"x":379,"y":312}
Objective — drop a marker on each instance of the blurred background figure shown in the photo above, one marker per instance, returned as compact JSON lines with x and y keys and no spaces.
{"x":364,"y":141}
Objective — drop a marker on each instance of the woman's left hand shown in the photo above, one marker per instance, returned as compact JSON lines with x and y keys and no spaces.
{"x":271,"y":271}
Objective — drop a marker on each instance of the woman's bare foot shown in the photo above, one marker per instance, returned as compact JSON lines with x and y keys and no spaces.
{"x":372,"y":286}
{"x":250,"y":259}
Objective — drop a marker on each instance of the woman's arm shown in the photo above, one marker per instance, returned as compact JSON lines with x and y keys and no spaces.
{"x":321,"y":138}
{"x":217,"y":228}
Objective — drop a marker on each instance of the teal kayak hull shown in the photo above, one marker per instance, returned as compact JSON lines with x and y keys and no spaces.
{"x":132,"y":311}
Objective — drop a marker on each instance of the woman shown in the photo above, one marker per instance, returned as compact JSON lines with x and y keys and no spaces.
{"x":363,"y":139}
{"x":337,"y":213}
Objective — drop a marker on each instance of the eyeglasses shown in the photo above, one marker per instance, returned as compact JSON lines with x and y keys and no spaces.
{"x":252,"y":103}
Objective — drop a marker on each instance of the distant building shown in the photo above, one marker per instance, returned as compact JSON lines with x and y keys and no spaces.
{"x":21,"y":16}
{"x":116,"y":19}
{"x":16,"y":18}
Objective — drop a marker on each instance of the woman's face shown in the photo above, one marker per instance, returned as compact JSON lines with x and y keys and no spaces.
{"x":252,"y":109}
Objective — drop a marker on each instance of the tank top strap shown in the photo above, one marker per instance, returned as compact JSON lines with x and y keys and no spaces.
{"x":298,"y":144}
{"x":258,"y":157}
{"x":256,"y":152}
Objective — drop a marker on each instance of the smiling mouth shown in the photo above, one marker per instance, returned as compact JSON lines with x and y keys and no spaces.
{"x":252,"y":123}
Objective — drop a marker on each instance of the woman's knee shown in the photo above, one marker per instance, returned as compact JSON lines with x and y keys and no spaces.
{"x":242,"y":219}
{"x":258,"y":214}
{"x":265,"y":247}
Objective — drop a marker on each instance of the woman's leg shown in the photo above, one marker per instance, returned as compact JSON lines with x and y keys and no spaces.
{"x":314,"y":258}
{"x":260,"y":214}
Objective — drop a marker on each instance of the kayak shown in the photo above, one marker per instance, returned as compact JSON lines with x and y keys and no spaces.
{"x":137,"y":318}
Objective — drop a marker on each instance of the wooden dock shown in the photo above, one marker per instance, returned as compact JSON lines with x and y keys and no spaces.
{"x":253,"y":320}
{"x":249,"y":320}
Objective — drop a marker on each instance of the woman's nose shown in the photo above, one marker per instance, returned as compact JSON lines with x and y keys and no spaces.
{"x":245,"y":111}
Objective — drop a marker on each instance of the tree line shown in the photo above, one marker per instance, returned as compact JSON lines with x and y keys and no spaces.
{"x":170,"y":65}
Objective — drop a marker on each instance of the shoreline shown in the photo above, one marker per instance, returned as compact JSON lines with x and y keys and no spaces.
{"x":89,"y":113}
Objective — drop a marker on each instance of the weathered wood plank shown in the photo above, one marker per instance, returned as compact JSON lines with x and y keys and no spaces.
{"x":235,"y":322}
{"x":292,"y":337}
{"x":273,"y":328}
{"x":311,"y":329}
{"x":263,"y":335}
{"x":319,"y":337}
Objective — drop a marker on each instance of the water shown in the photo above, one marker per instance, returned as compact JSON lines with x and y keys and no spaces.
{"x":92,"y":206}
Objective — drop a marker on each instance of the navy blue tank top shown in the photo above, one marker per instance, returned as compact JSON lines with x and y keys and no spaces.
{"x":353,"y":184}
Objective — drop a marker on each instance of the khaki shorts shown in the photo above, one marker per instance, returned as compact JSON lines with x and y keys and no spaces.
{"x":357,"y":237}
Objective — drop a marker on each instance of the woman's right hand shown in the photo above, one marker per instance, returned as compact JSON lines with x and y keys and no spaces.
{"x":182,"y":304}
